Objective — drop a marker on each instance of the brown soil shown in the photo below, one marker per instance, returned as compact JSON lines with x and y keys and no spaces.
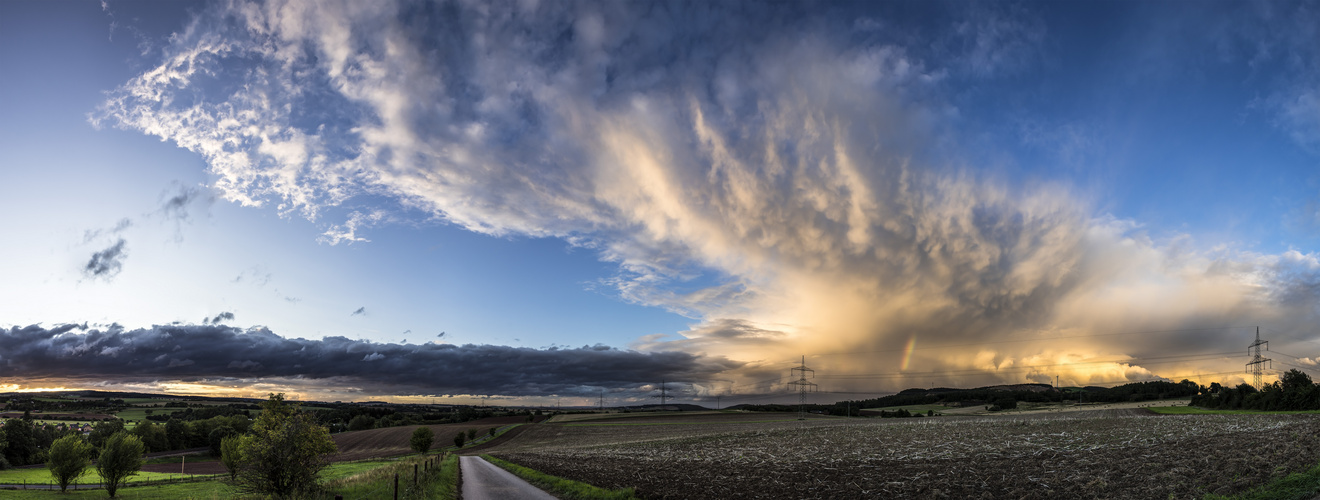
{"x":393,"y":441}
{"x":1115,"y":454}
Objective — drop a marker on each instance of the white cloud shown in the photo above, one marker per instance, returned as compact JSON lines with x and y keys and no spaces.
{"x":800,"y":171}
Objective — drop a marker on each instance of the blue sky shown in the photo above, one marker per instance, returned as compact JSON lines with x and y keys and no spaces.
{"x":704,"y":193}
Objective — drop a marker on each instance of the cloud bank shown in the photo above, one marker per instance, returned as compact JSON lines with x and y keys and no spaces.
{"x":803,"y":166}
{"x":217,"y":355}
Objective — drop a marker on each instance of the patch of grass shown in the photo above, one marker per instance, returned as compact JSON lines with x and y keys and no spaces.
{"x":446,"y":485}
{"x":41,"y":475}
{"x":1192,"y":410}
{"x":1295,"y":486}
{"x":378,"y":481}
{"x":560,"y":487}
{"x":342,"y":470}
{"x":203,"y":490}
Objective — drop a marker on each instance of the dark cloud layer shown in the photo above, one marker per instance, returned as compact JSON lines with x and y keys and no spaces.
{"x":224,"y":316}
{"x":222,"y":354}
{"x":106,"y":263}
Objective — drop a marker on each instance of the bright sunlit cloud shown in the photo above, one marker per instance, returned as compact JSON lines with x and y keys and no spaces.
{"x":906,"y":198}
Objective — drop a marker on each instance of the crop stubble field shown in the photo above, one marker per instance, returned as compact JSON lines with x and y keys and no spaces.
{"x":1099,"y":454}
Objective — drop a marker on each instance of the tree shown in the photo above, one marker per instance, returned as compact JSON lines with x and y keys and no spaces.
{"x":101,"y":431}
{"x":121,"y":458}
{"x":285,"y":452}
{"x":20,"y":436}
{"x":472,"y":434}
{"x":231,"y":454}
{"x":361,"y":423}
{"x":153,"y":436}
{"x":217,"y":438}
{"x":68,"y":459}
{"x":421,"y":439}
{"x":176,"y":432}
{"x":458,"y":440}
{"x":4,"y":441}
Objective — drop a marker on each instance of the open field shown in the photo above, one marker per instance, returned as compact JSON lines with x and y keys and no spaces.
{"x":1192,"y":410}
{"x":393,"y":441}
{"x":1113,"y":453}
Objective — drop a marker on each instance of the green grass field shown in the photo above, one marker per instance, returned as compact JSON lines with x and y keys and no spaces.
{"x":42,"y":475}
{"x":205,"y":490}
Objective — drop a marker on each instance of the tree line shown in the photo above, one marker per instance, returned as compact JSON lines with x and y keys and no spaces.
{"x":1292,"y":392}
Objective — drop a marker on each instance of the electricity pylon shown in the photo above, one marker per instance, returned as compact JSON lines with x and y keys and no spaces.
{"x":664,"y":393}
{"x":1255,"y":366}
{"x":803,"y":386}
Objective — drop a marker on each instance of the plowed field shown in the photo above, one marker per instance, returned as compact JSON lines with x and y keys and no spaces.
{"x":393,"y":441}
{"x":1111,"y":454}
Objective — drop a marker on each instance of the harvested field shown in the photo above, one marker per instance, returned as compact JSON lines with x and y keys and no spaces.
{"x":1113,"y":454}
{"x":393,"y":441}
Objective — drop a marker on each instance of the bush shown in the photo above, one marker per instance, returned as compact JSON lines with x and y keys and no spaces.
{"x":1006,"y":403}
{"x":421,"y":439}
{"x":231,"y":454}
{"x":459,"y":440}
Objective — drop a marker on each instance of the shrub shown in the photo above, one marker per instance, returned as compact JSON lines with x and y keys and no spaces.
{"x":421,"y":439}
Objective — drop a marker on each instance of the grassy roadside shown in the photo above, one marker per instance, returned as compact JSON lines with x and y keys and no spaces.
{"x":560,"y":487}
{"x":1296,"y":486}
{"x":1192,"y":410}
{"x":430,"y":476}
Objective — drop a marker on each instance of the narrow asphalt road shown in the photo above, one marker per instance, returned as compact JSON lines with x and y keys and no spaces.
{"x":484,"y":481}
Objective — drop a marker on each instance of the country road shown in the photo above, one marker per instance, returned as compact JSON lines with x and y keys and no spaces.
{"x":485,"y":481}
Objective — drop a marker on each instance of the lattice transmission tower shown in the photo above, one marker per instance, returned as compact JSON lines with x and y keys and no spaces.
{"x":1257,"y":364}
{"x":664,"y":393}
{"x":803,"y":386}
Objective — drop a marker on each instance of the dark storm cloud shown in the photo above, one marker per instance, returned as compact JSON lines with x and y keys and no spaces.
{"x":224,"y":316}
{"x":192,"y":353}
{"x":106,"y":263}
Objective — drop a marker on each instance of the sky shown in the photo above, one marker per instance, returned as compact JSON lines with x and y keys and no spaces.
{"x":540,"y":201}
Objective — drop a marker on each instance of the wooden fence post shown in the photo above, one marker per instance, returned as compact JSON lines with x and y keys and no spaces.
{"x":396,"y":486}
